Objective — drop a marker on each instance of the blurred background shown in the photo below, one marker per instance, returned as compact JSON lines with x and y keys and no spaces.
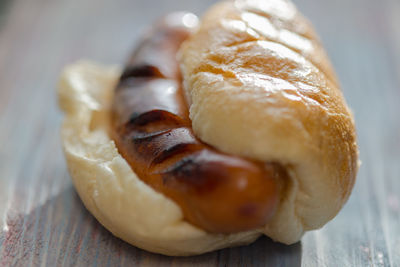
{"x":42,"y":221}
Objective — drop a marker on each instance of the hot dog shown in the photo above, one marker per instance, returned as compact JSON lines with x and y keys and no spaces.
{"x":211,"y":137}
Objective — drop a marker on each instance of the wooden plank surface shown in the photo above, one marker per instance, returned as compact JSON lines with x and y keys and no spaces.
{"x":42,"y":220}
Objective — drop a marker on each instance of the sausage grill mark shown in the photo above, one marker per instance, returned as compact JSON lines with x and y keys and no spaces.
{"x":141,"y":71}
{"x":154,"y":116}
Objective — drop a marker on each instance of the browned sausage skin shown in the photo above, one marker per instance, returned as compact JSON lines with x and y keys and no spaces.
{"x":217,"y":192}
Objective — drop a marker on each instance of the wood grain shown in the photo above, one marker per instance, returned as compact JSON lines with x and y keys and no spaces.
{"x":43,"y":222}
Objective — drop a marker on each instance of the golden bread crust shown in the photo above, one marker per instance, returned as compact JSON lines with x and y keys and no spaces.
{"x":255,"y":94}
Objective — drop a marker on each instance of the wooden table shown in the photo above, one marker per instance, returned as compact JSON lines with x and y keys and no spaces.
{"x":42,"y":220}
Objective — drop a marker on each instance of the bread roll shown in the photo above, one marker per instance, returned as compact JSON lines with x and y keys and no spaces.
{"x":259,"y":86}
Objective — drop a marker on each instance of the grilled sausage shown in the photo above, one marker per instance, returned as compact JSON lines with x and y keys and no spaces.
{"x":217,"y":192}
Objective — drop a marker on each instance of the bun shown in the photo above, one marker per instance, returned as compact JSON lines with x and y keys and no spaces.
{"x":235,"y":77}
{"x":258,"y":93}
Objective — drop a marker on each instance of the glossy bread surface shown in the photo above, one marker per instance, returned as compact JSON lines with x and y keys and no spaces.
{"x":260,"y":86}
